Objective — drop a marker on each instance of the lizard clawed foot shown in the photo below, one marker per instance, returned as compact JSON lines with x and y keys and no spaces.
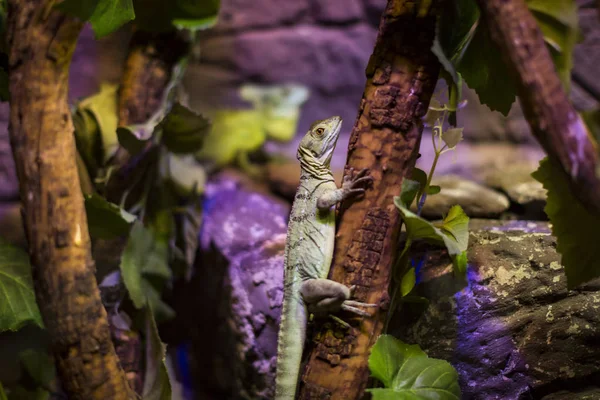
{"x":351,"y":183}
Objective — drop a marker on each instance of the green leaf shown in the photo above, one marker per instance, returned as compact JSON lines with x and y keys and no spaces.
{"x":408,"y":282}
{"x":409,"y":191}
{"x":573,"y":225}
{"x":433,"y":189}
{"x":102,"y":107}
{"x":452,"y":232}
{"x":387,"y":356}
{"x":452,"y":136}
{"x":420,"y":176}
{"x":156,"y":378}
{"x":183,"y":130}
{"x":39,"y":365}
{"x":187,"y":175}
{"x":131,"y":140}
{"x":105,"y":219}
{"x":456,"y":27}
{"x":25,"y":393}
{"x":483,"y":69}
{"x":407,"y":372}
{"x":195,"y":15}
{"x":2,"y":393}
{"x":456,"y":224}
{"x":82,"y":9}
{"x":144,"y":256}
{"x":17,"y":299}
{"x":105,"y":16}
{"x":459,"y":264}
{"x":592,"y":121}
{"x":110,"y":15}
{"x":558,"y":21}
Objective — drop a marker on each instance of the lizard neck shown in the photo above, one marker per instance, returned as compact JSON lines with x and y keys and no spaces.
{"x":313,"y":168}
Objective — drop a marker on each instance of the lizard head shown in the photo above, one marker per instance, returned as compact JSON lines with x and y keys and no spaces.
{"x":320,"y":140}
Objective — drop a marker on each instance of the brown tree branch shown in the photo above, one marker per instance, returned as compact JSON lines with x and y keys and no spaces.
{"x":41,"y":43}
{"x":401,"y":76}
{"x":148,"y":70}
{"x":553,"y":120}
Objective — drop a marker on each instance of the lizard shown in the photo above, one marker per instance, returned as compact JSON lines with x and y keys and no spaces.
{"x":309,"y":251}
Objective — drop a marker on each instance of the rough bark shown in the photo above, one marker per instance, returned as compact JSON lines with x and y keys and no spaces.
{"x":401,"y":76}
{"x":41,"y":43}
{"x":553,"y":120}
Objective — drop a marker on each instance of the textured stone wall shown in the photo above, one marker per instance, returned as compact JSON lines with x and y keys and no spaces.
{"x":322,"y":44}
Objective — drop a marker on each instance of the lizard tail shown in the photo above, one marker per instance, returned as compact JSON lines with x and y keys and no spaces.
{"x":290,"y":344}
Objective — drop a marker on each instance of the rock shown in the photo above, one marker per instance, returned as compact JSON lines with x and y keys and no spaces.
{"x":475,"y":199}
{"x":515,"y":331}
{"x":335,"y":12}
{"x":476,"y":161}
{"x":516,"y":181}
{"x":238,"y":290}
{"x":242,"y":15}
{"x":330,"y":59}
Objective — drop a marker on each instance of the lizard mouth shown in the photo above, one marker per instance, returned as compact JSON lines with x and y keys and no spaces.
{"x":331,"y":141}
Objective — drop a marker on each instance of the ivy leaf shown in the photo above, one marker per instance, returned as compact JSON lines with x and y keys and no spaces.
{"x":130,"y":141}
{"x":407,"y":372}
{"x":105,"y":16}
{"x":433,"y":189}
{"x":39,"y":365}
{"x":184,"y":130}
{"x":409,"y":191}
{"x":420,"y":176}
{"x":156,"y":378}
{"x":452,"y":136}
{"x":459,"y":264}
{"x":97,"y":134}
{"x":558,"y":21}
{"x":387,"y":356}
{"x":573,"y":225}
{"x":144,"y":257}
{"x":186,"y":175}
{"x":456,"y":225}
{"x":195,"y":15}
{"x":452,"y":232}
{"x":105,"y":219}
{"x":408,"y":282}
{"x":17,"y":299}
{"x":483,"y":69}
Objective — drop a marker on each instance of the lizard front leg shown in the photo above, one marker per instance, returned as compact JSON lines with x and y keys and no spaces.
{"x":324,"y":296}
{"x":350,"y":187}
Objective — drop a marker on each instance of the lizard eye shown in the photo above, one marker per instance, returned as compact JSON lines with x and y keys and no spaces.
{"x":319,"y":131}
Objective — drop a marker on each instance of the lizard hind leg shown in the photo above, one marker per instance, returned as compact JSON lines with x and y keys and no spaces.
{"x":324,"y":296}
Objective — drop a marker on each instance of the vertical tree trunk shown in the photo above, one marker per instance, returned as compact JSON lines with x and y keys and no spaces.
{"x":552,"y":118}
{"x":41,"y":43}
{"x":401,"y":76}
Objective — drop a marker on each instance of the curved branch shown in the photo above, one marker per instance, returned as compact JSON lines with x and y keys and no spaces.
{"x":41,"y":43}
{"x":553,"y":120}
{"x":401,"y":77}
